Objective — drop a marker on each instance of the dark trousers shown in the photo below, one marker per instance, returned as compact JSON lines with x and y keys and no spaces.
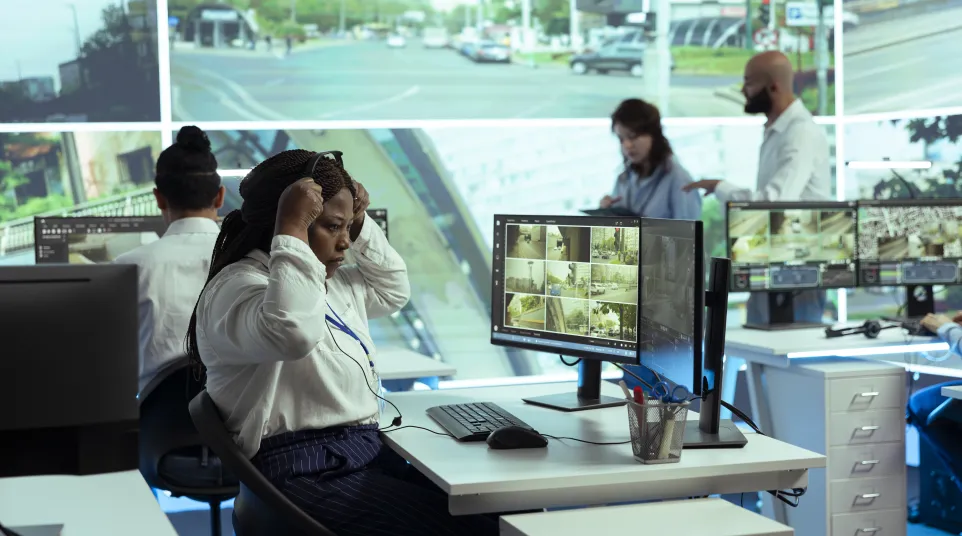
{"x":350,"y":482}
{"x":943,"y":435}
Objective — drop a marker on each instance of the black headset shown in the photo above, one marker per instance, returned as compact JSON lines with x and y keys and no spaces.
{"x":871,"y":329}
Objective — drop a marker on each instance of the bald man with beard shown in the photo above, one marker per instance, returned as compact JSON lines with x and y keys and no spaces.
{"x":794,"y":164}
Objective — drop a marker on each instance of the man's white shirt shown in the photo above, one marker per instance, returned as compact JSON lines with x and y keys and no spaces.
{"x":171,"y":274}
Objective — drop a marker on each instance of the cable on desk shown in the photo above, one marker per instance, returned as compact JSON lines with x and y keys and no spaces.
{"x":435,"y":432}
{"x":569,"y":364}
{"x":561,"y":438}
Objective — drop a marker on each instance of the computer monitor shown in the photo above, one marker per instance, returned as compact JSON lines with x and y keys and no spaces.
{"x":915,"y":243}
{"x":92,"y":240}
{"x":68,"y":369}
{"x":568,"y":285}
{"x":784,"y":247}
{"x":672,"y":299}
{"x":379,"y":215}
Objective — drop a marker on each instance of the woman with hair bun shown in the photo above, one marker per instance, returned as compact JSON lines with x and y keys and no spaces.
{"x":172,"y":270}
{"x":281,"y":331}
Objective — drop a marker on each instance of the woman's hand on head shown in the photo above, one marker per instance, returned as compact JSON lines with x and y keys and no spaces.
{"x":361,"y":202}
{"x":299,"y":206}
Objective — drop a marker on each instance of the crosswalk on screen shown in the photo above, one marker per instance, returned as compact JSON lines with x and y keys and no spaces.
{"x":567,"y":285}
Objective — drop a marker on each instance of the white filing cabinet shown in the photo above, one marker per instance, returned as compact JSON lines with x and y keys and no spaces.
{"x":853,"y":412}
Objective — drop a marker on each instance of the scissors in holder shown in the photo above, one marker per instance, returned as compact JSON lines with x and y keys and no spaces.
{"x":678,"y":394}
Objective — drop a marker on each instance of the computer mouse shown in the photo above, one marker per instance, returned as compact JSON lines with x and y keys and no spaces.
{"x":516,"y":437}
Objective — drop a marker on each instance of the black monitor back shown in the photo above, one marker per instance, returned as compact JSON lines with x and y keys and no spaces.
{"x":68,"y":369}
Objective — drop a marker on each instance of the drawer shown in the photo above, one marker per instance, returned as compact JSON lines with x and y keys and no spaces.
{"x":866,"y":461}
{"x":862,"y":394}
{"x":880,"y":523}
{"x":865,"y":494}
{"x":866,"y":427}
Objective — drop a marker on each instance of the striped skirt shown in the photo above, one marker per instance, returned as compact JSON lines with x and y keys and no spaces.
{"x":353,"y":484}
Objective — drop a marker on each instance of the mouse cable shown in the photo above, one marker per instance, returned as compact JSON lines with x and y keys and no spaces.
{"x":562,"y":358}
{"x":435,"y":432}
{"x":396,"y":422}
{"x":562,"y":438}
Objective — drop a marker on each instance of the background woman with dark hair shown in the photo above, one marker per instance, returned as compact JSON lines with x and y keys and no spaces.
{"x":172,"y":270}
{"x":651,"y":182}
{"x":282,"y":329}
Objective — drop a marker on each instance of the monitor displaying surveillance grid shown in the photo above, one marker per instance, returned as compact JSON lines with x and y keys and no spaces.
{"x":790,"y":246}
{"x":567,"y":284}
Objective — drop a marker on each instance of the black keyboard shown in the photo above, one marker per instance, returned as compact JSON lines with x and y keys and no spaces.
{"x":473,"y":421}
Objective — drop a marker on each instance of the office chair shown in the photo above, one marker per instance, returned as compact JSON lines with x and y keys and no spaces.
{"x":939,"y":422}
{"x":260,"y":508}
{"x":173,"y":457}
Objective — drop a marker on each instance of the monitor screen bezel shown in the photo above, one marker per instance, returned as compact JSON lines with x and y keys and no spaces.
{"x":581,"y":354}
{"x":698,"y":319}
{"x":801,"y":205}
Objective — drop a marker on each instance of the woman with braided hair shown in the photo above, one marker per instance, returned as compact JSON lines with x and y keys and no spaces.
{"x":282,"y":331}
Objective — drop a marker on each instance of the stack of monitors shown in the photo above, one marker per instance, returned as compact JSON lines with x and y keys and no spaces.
{"x":793,"y":246}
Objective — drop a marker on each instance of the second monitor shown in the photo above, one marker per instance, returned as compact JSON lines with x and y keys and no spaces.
{"x":782,"y":248}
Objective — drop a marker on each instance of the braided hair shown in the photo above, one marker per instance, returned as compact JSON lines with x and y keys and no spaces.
{"x":252,"y":226}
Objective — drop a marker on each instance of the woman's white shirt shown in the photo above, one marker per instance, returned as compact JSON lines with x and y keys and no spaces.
{"x":274,"y":364}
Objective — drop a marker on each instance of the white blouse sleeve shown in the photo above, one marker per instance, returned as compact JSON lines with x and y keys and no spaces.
{"x":250,"y":319}
{"x":380,"y":275}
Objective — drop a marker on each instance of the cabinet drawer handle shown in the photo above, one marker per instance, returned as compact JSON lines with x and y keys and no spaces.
{"x":869,"y":428}
{"x":870,"y":495}
{"x":869,"y":395}
{"x":869,"y":462}
{"x":870,"y":531}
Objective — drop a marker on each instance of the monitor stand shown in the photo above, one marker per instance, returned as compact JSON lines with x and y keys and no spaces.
{"x":588,"y":395}
{"x":781,"y":314}
{"x":710,"y":431}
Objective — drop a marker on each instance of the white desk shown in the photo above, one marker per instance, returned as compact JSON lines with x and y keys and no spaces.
{"x":568,"y":473}
{"x":114,"y":503}
{"x":953,"y":392}
{"x":779,"y":348}
{"x":717,"y":517}
{"x":403,"y":364}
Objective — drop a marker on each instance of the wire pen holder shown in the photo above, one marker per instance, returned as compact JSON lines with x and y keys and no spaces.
{"x":657,"y":430}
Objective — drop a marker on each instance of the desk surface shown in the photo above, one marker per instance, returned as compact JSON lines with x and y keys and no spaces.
{"x":778,"y":348}
{"x":954,"y":391}
{"x":717,"y":517}
{"x":585,"y":474}
{"x":114,"y":503}
{"x":403,"y":364}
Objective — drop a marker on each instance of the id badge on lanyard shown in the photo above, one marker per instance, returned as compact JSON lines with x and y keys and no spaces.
{"x":343,"y":328}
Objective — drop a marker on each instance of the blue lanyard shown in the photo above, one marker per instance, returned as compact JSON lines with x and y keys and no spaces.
{"x":341,"y":326}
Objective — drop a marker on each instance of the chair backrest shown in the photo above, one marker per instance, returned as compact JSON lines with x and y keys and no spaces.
{"x":166,"y":426}
{"x":212,"y":430}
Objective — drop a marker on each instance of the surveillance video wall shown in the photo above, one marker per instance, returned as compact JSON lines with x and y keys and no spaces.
{"x":450,"y":112}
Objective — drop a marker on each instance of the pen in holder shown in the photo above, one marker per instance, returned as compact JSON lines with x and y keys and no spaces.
{"x":657,"y":430}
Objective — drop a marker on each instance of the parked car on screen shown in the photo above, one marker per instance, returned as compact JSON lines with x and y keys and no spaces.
{"x":489,"y":52}
{"x":396,"y":41}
